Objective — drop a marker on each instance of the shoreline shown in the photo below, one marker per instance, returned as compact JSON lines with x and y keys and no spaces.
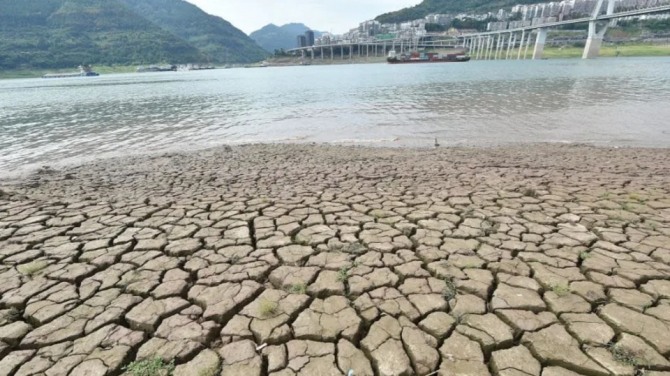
{"x":550,"y":52}
{"x":319,"y":259}
{"x":26,"y":171}
{"x":609,"y":50}
{"x":116,"y":166}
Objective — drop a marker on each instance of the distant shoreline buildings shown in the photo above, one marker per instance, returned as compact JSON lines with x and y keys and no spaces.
{"x":518,"y":16}
{"x":306,"y":40}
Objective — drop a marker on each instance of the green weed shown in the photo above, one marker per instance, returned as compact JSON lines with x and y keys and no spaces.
{"x":268,"y":308}
{"x":9,"y":315}
{"x":301,"y":240}
{"x":624,"y":356}
{"x":355,"y":248}
{"x":298,"y":288}
{"x":560,"y":290}
{"x":150,"y":367}
{"x":449,"y":291}
{"x":32,"y":268}
{"x":530,"y":192}
{"x":212,"y":371}
{"x":343,"y":274}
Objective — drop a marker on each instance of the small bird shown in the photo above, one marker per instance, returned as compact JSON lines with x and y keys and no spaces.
{"x":437,"y":145}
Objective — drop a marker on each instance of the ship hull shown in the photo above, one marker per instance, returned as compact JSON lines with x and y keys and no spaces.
{"x":68,"y":75}
{"x":424,"y":61}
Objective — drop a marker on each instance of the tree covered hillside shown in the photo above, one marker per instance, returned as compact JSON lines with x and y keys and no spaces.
{"x":427,"y":7}
{"x":272,"y":37}
{"x":213,"y":36}
{"x":66,"y":33}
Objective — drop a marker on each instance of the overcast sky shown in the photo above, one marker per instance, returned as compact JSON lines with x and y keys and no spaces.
{"x":336,"y":16}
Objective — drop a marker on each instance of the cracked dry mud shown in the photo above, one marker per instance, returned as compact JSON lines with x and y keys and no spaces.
{"x":517,"y":261}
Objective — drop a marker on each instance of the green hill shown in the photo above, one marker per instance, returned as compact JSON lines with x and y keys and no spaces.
{"x":427,"y":7}
{"x":272,"y":37}
{"x":213,"y":36}
{"x":66,"y":33}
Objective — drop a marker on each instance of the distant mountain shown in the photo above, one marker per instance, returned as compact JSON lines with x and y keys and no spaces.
{"x":427,"y":7}
{"x":272,"y":37}
{"x":66,"y":33}
{"x":213,"y":36}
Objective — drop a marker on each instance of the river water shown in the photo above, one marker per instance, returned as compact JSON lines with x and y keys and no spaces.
{"x":614,"y":102}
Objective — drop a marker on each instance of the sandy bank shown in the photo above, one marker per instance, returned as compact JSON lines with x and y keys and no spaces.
{"x":270,"y":170}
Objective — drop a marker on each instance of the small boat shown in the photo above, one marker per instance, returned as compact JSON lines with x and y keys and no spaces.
{"x":426,"y":57}
{"x":194,"y":67}
{"x":84,"y":71}
{"x":157,"y":68}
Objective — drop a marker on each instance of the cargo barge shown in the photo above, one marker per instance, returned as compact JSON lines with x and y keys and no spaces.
{"x":157,"y":68}
{"x":426,"y":57}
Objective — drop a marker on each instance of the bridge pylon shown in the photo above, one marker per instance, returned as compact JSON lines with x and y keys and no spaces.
{"x":540,"y":39}
{"x":595,"y":37}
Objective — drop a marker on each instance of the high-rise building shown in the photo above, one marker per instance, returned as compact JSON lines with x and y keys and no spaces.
{"x":302,"y":41}
{"x":309,"y":38}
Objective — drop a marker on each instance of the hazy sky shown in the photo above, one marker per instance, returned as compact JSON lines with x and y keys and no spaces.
{"x":336,"y":16}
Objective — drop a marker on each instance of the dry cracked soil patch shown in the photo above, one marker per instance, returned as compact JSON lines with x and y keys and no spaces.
{"x":315,"y":260}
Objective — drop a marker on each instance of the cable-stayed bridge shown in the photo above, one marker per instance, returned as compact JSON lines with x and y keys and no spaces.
{"x":488,"y":45}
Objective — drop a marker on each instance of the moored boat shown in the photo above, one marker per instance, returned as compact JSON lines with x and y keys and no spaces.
{"x":194,"y":67}
{"x":426,"y":57}
{"x":157,"y":68}
{"x":84,"y":71}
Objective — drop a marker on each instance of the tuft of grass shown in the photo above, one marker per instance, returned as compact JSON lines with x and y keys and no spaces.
{"x":300,"y":240}
{"x":335,"y":246}
{"x":268,"y":308}
{"x":597,"y":232}
{"x":132,"y":277}
{"x":9,"y":315}
{"x":449,"y":291}
{"x":298,"y":288}
{"x":32,"y":268}
{"x":343,"y":274}
{"x":584,"y":255}
{"x":355,"y":248}
{"x":211,"y":371}
{"x":488,"y":227}
{"x":624,"y":356}
{"x":560,"y":290}
{"x":530,"y":192}
{"x":617,"y":217}
{"x":377,"y":215}
{"x":234,"y":259}
{"x":150,"y":367}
